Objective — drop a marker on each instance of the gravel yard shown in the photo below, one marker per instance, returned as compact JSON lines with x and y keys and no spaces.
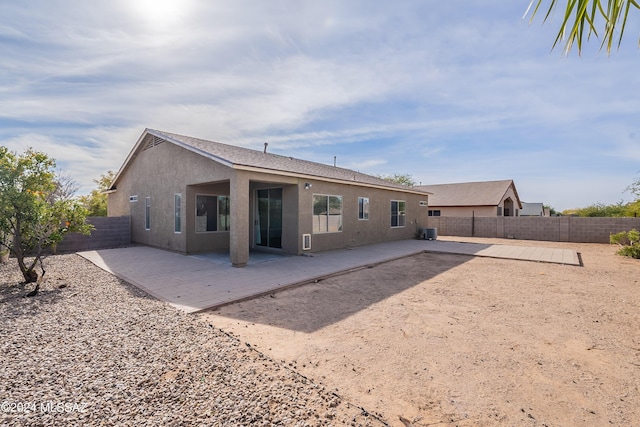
{"x":90,"y":349}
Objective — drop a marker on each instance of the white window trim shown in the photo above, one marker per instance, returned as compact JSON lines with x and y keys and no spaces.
{"x":368,"y":209}
{"x":341,"y":212}
{"x":405,"y":213}
{"x":177,"y":209}
{"x":147,"y":213}
{"x":217,"y":212}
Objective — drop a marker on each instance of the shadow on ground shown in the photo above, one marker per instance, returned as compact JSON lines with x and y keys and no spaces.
{"x":314,"y":306}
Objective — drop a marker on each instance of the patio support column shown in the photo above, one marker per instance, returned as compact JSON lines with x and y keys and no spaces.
{"x":239,"y":227}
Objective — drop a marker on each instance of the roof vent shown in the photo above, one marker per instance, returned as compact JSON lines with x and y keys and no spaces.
{"x":265,"y":147}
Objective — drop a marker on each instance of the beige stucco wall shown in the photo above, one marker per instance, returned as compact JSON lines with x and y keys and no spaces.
{"x":167,"y":169}
{"x":203,"y":241}
{"x":357,"y":232}
{"x":159,"y":173}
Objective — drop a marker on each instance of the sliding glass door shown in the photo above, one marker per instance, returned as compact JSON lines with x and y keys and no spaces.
{"x":268,"y":222}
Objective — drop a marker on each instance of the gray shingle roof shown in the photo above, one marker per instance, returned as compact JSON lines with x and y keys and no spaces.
{"x":238,"y":157}
{"x":532,"y":209}
{"x":484,"y":193}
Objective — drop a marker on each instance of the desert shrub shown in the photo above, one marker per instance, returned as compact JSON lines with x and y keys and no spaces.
{"x":629,"y":242}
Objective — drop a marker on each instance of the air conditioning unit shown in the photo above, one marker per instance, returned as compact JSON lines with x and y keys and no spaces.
{"x":431,"y":234}
{"x":306,"y":242}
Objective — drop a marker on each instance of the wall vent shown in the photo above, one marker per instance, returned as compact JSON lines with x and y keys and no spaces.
{"x":155,"y":140}
{"x":306,"y":242}
{"x":133,"y":199}
{"x":423,"y":203}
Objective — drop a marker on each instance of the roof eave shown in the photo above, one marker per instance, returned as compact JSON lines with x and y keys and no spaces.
{"x":327,"y":179}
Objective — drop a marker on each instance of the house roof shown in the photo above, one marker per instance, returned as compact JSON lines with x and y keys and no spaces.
{"x":241,"y":158}
{"x":532,"y":209}
{"x":483,"y":193}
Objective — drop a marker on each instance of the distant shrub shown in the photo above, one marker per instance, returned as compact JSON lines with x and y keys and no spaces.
{"x":629,"y":242}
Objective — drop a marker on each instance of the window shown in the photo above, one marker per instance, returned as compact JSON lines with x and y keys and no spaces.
{"x":212,"y":213}
{"x":363,"y":208}
{"x":499,"y":210}
{"x":327,"y":213}
{"x":434,"y":212}
{"x":177,"y":213}
{"x":223,"y":213}
{"x":398,"y":213}
{"x":147,"y":213}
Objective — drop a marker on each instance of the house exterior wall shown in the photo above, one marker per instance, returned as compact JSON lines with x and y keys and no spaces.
{"x":289,"y":208}
{"x":209,"y":241}
{"x":510,"y":193}
{"x":356,"y":232}
{"x":159,"y":173}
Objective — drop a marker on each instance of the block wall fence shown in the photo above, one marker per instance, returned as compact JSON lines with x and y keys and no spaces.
{"x":113,"y":232}
{"x":554,"y":229}
{"x":109,"y":232}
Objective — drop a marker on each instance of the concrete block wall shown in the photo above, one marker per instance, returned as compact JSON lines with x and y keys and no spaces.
{"x":450,"y":226}
{"x":554,"y":229}
{"x":598,"y":230}
{"x":532,"y":228}
{"x":485,"y":226}
{"x":109,"y":232}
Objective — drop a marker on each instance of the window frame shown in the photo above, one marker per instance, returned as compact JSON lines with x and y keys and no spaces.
{"x":363,"y":208}
{"x":147,"y":213}
{"x":435,"y":212}
{"x":177,"y":213}
{"x":327,"y":229}
{"x":221,"y":227}
{"x":400,"y":215}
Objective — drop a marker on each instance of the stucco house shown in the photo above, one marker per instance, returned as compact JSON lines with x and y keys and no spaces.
{"x":192,"y":195}
{"x":467,"y":199}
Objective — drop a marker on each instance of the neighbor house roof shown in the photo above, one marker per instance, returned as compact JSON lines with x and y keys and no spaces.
{"x":241,"y":158}
{"x":532,"y":209}
{"x":483,"y":193}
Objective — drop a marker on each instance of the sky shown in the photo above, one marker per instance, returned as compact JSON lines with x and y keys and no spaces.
{"x":451,"y":91}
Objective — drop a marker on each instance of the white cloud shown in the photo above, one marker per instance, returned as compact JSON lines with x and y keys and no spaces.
{"x":450,"y":91}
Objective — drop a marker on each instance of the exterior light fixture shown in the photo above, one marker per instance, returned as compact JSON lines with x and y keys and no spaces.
{"x":307,"y":186}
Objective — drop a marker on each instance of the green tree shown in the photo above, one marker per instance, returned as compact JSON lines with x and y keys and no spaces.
{"x":599,"y":210}
{"x":96,"y":201}
{"x":634,"y":188}
{"x":582,"y":18}
{"x":33,"y":214}
{"x":402,"y":179}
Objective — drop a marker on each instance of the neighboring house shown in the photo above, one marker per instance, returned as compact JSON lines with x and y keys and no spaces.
{"x":466,"y":199}
{"x":533,"y":209}
{"x":192,"y":195}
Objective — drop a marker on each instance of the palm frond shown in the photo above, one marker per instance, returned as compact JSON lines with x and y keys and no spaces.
{"x":581,"y":19}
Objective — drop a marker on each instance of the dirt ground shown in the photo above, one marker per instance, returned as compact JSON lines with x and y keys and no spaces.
{"x":452,"y":340}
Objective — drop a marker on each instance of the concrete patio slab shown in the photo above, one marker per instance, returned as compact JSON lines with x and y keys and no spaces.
{"x":199,"y":282}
